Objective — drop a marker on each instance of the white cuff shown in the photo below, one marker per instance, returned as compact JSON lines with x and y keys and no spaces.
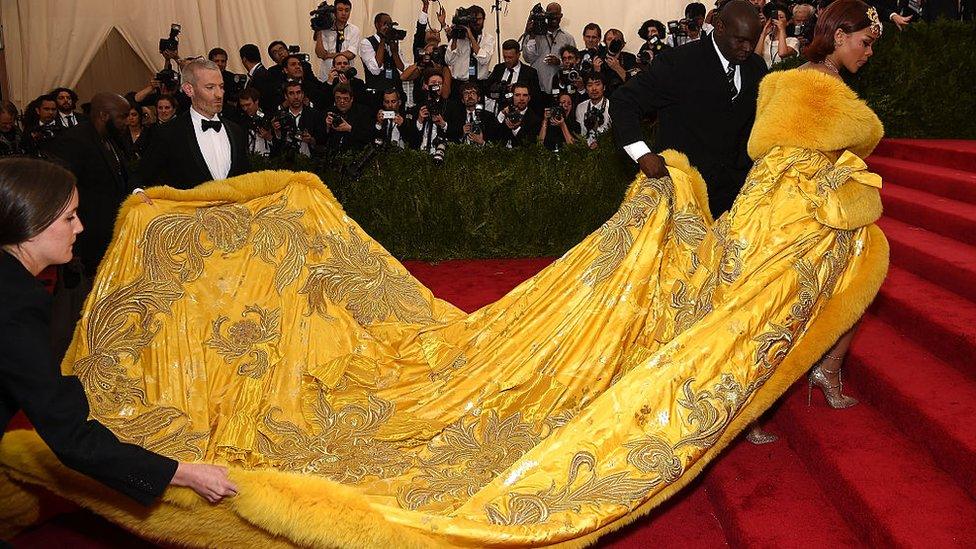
{"x":423,"y":18}
{"x":138,"y":190}
{"x":636,"y":150}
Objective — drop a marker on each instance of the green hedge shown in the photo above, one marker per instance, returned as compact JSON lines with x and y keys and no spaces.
{"x":920,"y":81}
{"x":494,"y":202}
{"x":481,"y":202}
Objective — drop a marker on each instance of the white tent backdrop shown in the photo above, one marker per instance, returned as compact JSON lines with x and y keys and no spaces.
{"x":50,"y":43}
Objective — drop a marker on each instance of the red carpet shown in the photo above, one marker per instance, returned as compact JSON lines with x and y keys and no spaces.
{"x":897,"y":470}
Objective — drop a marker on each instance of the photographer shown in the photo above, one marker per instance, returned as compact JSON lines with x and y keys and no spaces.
{"x":349,"y":126}
{"x":258,"y":77}
{"x":802,"y":24}
{"x":618,"y":65}
{"x":654,"y":35}
{"x":233,"y":83}
{"x":593,"y":115}
{"x":774,"y":45}
{"x":509,"y":72}
{"x":392,"y":128}
{"x":569,"y":79}
{"x":518,"y":125}
{"x":40,"y":125}
{"x":343,"y":73}
{"x":314,"y":90}
{"x":342,"y":38}
{"x":424,"y":33}
{"x":559,"y":126}
{"x":381,"y":56}
{"x":67,"y":99}
{"x":692,"y":27}
{"x":166,"y":109}
{"x":432,"y":58}
{"x":541,"y":44}
{"x":477,"y":125}
{"x":278,"y":52}
{"x":11,"y":136}
{"x":260,"y":138}
{"x":470,"y":52}
{"x":431,"y":124}
{"x":298,"y":128}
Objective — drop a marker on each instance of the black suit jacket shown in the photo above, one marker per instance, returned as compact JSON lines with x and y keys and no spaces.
{"x":79,"y":117}
{"x":528,"y":134}
{"x":528,"y":76}
{"x":363,"y":122}
{"x":457,"y":116}
{"x":102,"y":186}
{"x":267,"y":86}
{"x":56,"y":405}
{"x":173,"y":157}
{"x":697,"y":116}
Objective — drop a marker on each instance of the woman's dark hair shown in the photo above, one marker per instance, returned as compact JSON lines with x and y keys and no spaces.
{"x":849,"y":16}
{"x":644,"y":34}
{"x":33,"y":193}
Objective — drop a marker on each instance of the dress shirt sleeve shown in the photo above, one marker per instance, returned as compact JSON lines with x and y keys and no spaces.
{"x":368,"y":54}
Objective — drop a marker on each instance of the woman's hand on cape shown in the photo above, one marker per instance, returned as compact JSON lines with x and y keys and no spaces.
{"x":210,"y":481}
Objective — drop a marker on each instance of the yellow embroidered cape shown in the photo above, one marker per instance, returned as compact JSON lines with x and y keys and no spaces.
{"x":250,"y":322}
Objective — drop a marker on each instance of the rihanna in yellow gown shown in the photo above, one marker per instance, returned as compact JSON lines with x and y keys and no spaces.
{"x":250,"y":322}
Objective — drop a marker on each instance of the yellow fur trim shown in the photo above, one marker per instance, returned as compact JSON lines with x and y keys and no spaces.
{"x":677,"y":160}
{"x":812,"y":110}
{"x":838,"y":316}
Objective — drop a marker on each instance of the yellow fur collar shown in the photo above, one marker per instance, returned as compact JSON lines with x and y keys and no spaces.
{"x":812,"y":110}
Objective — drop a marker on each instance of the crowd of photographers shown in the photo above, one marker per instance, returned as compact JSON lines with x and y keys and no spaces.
{"x":443,"y":88}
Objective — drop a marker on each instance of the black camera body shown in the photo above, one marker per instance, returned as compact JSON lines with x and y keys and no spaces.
{"x":322,"y":17}
{"x":476,"y":127}
{"x":593,"y":119}
{"x":297,"y":50}
{"x":513,"y":115}
{"x":288,"y":129}
{"x":497,"y":90}
{"x":538,"y":21}
{"x":394,"y":33}
{"x":337,"y":119}
{"x":463,"y":19}
{"x":171,"y":43}
{"x":261,"y":121}
{"x":168,"y":79}
{"x":434,"y":102}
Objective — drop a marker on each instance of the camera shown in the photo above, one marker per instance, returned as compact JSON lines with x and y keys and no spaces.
{"x":389,"y":115}
{"x":168,"y":79}
{"x":555,"y":114}
{"x":297,"y":50}
{"x":434,"y":103}
{"x":323,"y":17}
{"x":497,"y":90}
{"x":337,"y":119}
{"x":394,"y":34}
{"x":290,"y":134}
{"x":513,"y":115}
{"x":593,"y":119}
{"x":239,"y":81}
{"x":440,"y":148}
{"x":463,"y":20}
{"x":615,"y":47}
{"x":476,"y":123}
{"x":171,"y":43}
{"x":261,"y":121}
{"x":538,"y":21}
{"x":679,"y":30}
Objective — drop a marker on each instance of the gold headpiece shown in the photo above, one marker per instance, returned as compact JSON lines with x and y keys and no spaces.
{"x":876,"y":27}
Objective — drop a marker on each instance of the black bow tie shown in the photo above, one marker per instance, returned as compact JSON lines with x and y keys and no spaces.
{"x":211,"y":125}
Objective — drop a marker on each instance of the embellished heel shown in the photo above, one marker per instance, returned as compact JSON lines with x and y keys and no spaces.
{"x":832,"y":393}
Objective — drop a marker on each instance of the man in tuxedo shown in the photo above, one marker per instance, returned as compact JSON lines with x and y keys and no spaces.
{"x":197,"y":146}
{"x":509,"y":72}
{"x":517,"y":124}
{"x":704,"y":94}
{"x":342,"y":73}
{"x":430,"y":115}
{"x":476,"y":125}
{"x":67,"y":100}
{"x":392,"y":127}
{"x":258,"y":77}
{"x":349,"y":125}
{"x":92,"y":151}
{"x":305,"y":132}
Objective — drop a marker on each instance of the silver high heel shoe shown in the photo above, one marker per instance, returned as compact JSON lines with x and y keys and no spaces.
{"x":819,"y":376}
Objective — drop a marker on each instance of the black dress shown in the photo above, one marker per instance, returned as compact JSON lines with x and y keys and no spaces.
{"x":55,"y":404}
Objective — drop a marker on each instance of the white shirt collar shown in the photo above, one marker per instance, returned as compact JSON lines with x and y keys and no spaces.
{"x":598,"y":105}
{"x":254,"y":68}
{"x":725,"y":62}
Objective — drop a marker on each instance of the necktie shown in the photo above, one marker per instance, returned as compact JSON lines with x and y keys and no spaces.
{"x":730,"y":76}
{"x":71,"y":120}
{"x":511,"y":75}
{"x":211,"y":125}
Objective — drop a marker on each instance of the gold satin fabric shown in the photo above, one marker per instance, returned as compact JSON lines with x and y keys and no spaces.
{"x":251,"y":322}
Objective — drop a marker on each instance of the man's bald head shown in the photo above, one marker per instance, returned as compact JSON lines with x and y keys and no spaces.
{"x":737,"y":29}
{"x":554,"y":7}
{"x":108,"y":109}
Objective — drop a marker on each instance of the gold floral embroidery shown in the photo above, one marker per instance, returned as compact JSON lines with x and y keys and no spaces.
{"x":615,"y":235}
{"x":614,"y":489}
{"x":362,"y":279}
{"x":344,"y":448}
{"x":472,"y":451}
{"x":243,"y":335}
{"x":149,"y":431}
